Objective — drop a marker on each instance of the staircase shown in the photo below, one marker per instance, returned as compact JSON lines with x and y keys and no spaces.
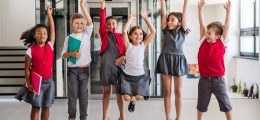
{"x":12,"y":75}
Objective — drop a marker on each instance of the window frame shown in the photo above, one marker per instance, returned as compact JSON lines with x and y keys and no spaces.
{"x":250,"y":31}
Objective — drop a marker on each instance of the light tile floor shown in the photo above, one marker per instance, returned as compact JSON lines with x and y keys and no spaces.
{"x":243,"y":109}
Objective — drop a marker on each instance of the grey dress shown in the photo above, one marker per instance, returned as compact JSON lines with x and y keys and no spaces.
{"x":172,"y":60}
{"x":108,"y":71}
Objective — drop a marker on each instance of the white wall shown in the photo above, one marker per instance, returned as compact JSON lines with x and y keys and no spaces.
{"x":247,"y":70}
{"x":16,"y":17}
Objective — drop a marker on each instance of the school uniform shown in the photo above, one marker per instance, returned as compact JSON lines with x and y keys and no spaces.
{"x":172,"y":60}
{"x":212,"y":70}
{"x":133,"y":80}
{"x":41,"y":63}
{"x":78,"y":74}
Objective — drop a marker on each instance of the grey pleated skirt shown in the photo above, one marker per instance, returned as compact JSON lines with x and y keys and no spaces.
{"x":172,"y":64}
{"x":44,"y":99}
{"x":134,"y":85}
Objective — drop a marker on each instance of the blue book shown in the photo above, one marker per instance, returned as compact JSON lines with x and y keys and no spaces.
{"x":73,"y":44}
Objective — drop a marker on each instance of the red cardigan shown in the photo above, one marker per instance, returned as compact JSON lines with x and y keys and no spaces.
{"x":104,"y":35}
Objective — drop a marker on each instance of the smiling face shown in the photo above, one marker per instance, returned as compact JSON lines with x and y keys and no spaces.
{"x":78,"y":25}
{"x":111,"y":24}
{"x":211,"y":35}
{"x":41,"y":35}
{"x":214,"y":31}
{"x":136,"y":36}
{"x":172,"y":22}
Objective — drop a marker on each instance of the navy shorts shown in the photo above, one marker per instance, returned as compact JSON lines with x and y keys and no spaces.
{"x":217,"y":86}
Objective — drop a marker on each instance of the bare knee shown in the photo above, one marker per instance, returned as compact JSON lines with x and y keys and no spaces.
{"x":139,"y":97}
{"x":167,"y":81}
{"x":45,"y":109}
{"x":167,"y":92}
{"x":177,"y":93}
{"x":119,"y":97}
{"x":35,"y":108}
{"x":127,"y":97}
{"x":106,"y":92}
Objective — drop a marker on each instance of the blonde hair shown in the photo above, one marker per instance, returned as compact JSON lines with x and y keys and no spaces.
{"x":76,"y":16}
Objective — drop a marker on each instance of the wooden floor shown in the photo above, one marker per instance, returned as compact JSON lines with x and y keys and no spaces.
{"x":243,"y":109}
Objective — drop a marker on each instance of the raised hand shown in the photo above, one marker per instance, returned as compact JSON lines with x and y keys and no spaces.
{"x":49,"y":9}
{"x":227,"y":5}
{"x":102,"y":1}
{"x":82,"y":2}
{"x":201,"y":4}
{"x":144,"y":14}
{"x":102,"y":4}
{"x":131,"y":17}
{"x":51,"y":24}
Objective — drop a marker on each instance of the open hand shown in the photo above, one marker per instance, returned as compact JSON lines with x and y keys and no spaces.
{"x":131,"y":17}
{"x":227,"y":5}
{"x":144,"y":14}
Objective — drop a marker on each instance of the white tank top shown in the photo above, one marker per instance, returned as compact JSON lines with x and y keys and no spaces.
{"x":134,"y":60}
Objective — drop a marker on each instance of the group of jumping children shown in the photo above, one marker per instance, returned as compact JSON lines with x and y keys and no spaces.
{"x":126,"y":48}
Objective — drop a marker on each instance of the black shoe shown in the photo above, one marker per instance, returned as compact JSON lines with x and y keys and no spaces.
{"x":131,"y":107}
{"x":146,"y":97}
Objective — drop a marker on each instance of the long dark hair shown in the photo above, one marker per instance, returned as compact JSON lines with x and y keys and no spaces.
{"x":178,"y":15}
{"x":133,"y":29}
{"x":28,"y":36}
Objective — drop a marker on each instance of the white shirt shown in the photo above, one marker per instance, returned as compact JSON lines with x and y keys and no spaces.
{"x":84,"y":50}
{"x":134,"y":60}
{"x":224,"y":41}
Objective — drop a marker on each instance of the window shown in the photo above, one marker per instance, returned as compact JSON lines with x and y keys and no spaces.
{"x":249,"y":31}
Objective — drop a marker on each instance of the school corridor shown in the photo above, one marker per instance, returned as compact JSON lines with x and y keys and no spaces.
{"x":241,"y":59}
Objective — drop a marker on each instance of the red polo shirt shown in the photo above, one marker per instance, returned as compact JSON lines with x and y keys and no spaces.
{"x":211,"y":58}
{"x":42,"y":60}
